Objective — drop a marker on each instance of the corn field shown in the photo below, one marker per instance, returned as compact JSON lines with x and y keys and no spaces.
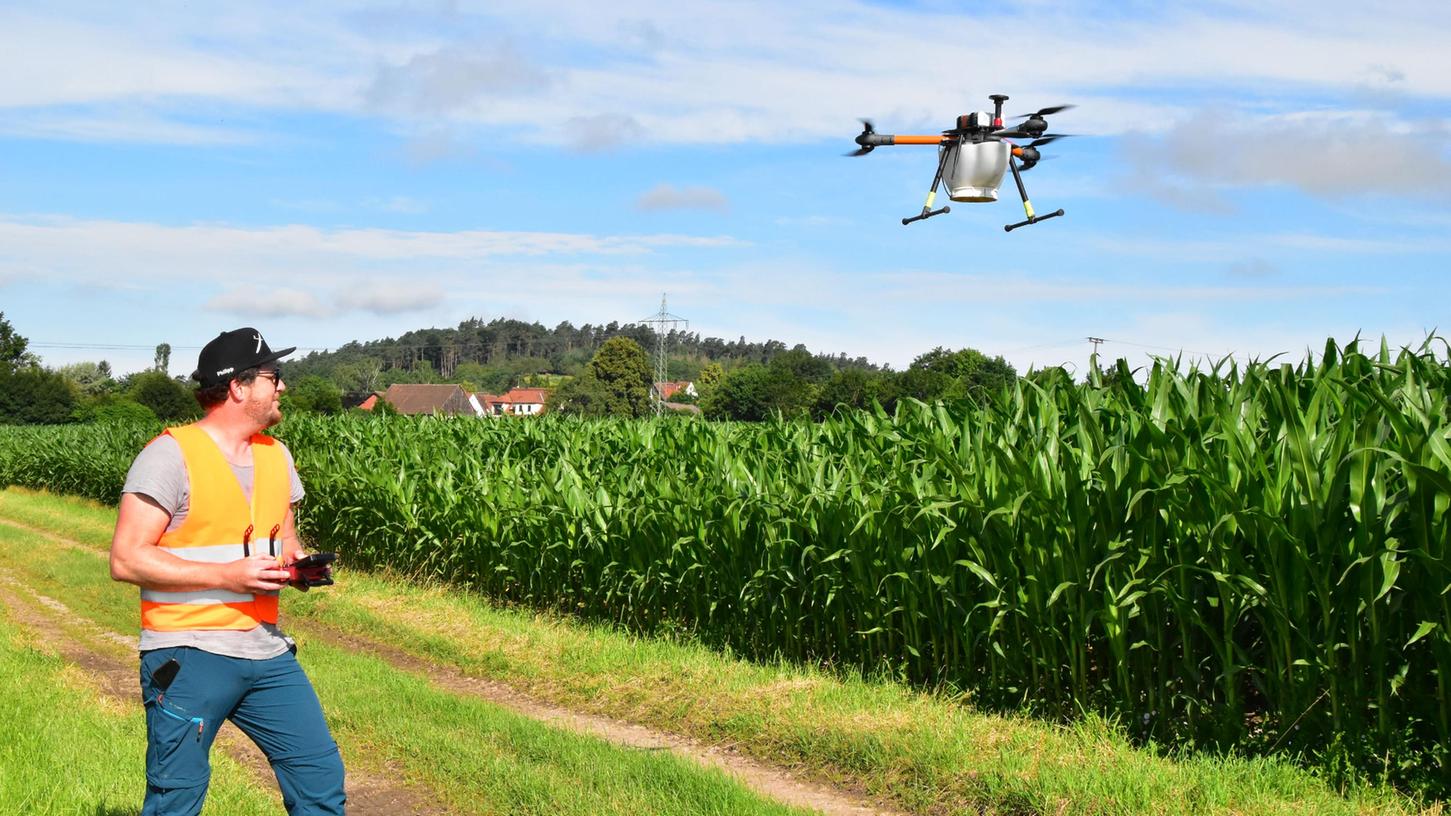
{"x":1250,"y":557}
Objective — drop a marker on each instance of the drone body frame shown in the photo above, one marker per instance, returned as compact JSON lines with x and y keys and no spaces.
{"x":974,"y":157}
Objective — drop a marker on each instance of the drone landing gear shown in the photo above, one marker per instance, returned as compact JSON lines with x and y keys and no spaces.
{"x":927,"y":211}
{"x":925,"y":214}
{"x":1033,"y":218}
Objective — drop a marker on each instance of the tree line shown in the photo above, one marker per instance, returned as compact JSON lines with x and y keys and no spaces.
{"x":591,"y":371}
{"x":497,"y":355}
{"x":31,"y":394}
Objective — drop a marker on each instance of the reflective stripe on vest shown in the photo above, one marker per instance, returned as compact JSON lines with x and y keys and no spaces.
{"x":212,"y":532}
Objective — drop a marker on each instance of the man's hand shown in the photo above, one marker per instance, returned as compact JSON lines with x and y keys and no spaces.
{"x":256,"y":573}
{"x":316,"y":569}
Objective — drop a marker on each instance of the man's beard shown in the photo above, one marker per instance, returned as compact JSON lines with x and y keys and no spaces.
{"x":262,"y":412}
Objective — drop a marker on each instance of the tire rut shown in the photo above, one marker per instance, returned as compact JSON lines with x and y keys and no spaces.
{"x":770,"y":781}
{"x":368,"y":794}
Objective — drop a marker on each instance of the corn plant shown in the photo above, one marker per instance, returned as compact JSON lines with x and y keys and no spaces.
{"x":1240,"y":556}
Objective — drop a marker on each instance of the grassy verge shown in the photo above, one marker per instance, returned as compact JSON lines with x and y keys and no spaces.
{"x":480,"y":758}
{"x":476,"y":757}
{"x":68,"y":749}
{"x":929,"y":754}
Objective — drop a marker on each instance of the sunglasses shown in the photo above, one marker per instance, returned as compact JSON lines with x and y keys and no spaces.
{"x":273,"y":374}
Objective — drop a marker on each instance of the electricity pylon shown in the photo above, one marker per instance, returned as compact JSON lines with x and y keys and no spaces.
{"x":663,"y":323}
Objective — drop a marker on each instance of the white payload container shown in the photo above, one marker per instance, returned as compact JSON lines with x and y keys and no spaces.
{"x":973,"y":172}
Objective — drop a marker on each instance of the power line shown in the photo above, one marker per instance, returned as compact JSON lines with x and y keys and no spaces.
{"x":131,"y":347}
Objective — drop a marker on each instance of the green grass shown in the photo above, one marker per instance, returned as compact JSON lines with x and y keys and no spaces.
{"x":480,"y":757}
{"x":477,"y":757}
{"x":80,"y":519}
{"x":931,"y":754}
{"x":68,"y":750}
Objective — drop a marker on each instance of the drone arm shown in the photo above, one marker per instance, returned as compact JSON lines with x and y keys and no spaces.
{"x":870,"y":140}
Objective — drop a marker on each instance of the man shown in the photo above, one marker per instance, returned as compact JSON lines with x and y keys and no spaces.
{"x":205,"y":529}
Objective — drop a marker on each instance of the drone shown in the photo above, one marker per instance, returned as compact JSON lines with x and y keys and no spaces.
{"x":973,"y":156}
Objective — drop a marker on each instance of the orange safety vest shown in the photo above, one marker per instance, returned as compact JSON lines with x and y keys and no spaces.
{"x":213,"y":531}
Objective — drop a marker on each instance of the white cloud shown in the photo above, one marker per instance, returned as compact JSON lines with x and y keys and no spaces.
{"x":710,"y":72}
{"x":1252,"y":269}
{"x":251,"y":302}
{"x":378,"y":297}
{"x":384,"y":298}
{"x":176,"y":54}
{"x":1344,"y":155}
{"x":303,"y":271}
{"x":456,"y":78}
{"x":670,"y":197}
{"x":104,"y":250}
{"x":103,"y":125}
{"x":601,"y":132}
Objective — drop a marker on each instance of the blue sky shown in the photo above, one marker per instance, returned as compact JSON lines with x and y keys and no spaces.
{"x":1248,"y":178}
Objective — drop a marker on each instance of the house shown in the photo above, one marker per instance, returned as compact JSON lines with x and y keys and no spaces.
{"x":431,"y":399}
{"x":517,"y":402}
{"x":367,"y":404}
{"x":666,"y":390}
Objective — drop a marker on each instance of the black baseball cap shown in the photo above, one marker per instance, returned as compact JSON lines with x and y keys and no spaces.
{"x":233,"y":352}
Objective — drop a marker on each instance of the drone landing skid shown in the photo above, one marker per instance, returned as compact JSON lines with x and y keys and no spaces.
{"x":1035,"y":219}
{"x":925,"y":214}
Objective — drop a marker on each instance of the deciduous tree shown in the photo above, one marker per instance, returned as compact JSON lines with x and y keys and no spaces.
{"x":168,"y":399}
{"x":12,"y":348}
{"x":623,"y":371}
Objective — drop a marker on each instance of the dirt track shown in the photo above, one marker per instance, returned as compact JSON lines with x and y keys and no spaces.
{"x":376,"y":794}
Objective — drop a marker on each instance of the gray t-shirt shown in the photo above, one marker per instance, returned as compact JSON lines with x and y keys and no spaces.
{"x":159,"y":473}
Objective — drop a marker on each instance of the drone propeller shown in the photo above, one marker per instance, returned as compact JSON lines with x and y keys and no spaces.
{"x":1023,"y":168}
{"x":1046,"y":111}
{"x":1015,"y":133}
{"x":867,"y":130}
{"x":1028,"y":154}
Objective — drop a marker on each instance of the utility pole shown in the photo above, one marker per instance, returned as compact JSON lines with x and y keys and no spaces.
{"x":1095,"y":341}
{"x":663,"y":323}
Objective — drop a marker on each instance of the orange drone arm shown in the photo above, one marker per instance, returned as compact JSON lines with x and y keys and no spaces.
{"x":919,"y":140}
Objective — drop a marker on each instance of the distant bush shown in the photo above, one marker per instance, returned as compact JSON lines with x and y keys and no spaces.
{"x":113,"y":408}
{"x":168,"y":399}
{"x":34,"y":396}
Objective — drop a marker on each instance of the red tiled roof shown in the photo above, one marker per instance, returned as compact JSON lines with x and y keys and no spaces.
{"x":367,"y":404}
{"x":669,"y":389}
{"x":537,"y":396}
{"x":426,"y":399}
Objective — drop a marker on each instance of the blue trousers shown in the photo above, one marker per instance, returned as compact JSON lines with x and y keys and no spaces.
{"x":271,"y":701}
